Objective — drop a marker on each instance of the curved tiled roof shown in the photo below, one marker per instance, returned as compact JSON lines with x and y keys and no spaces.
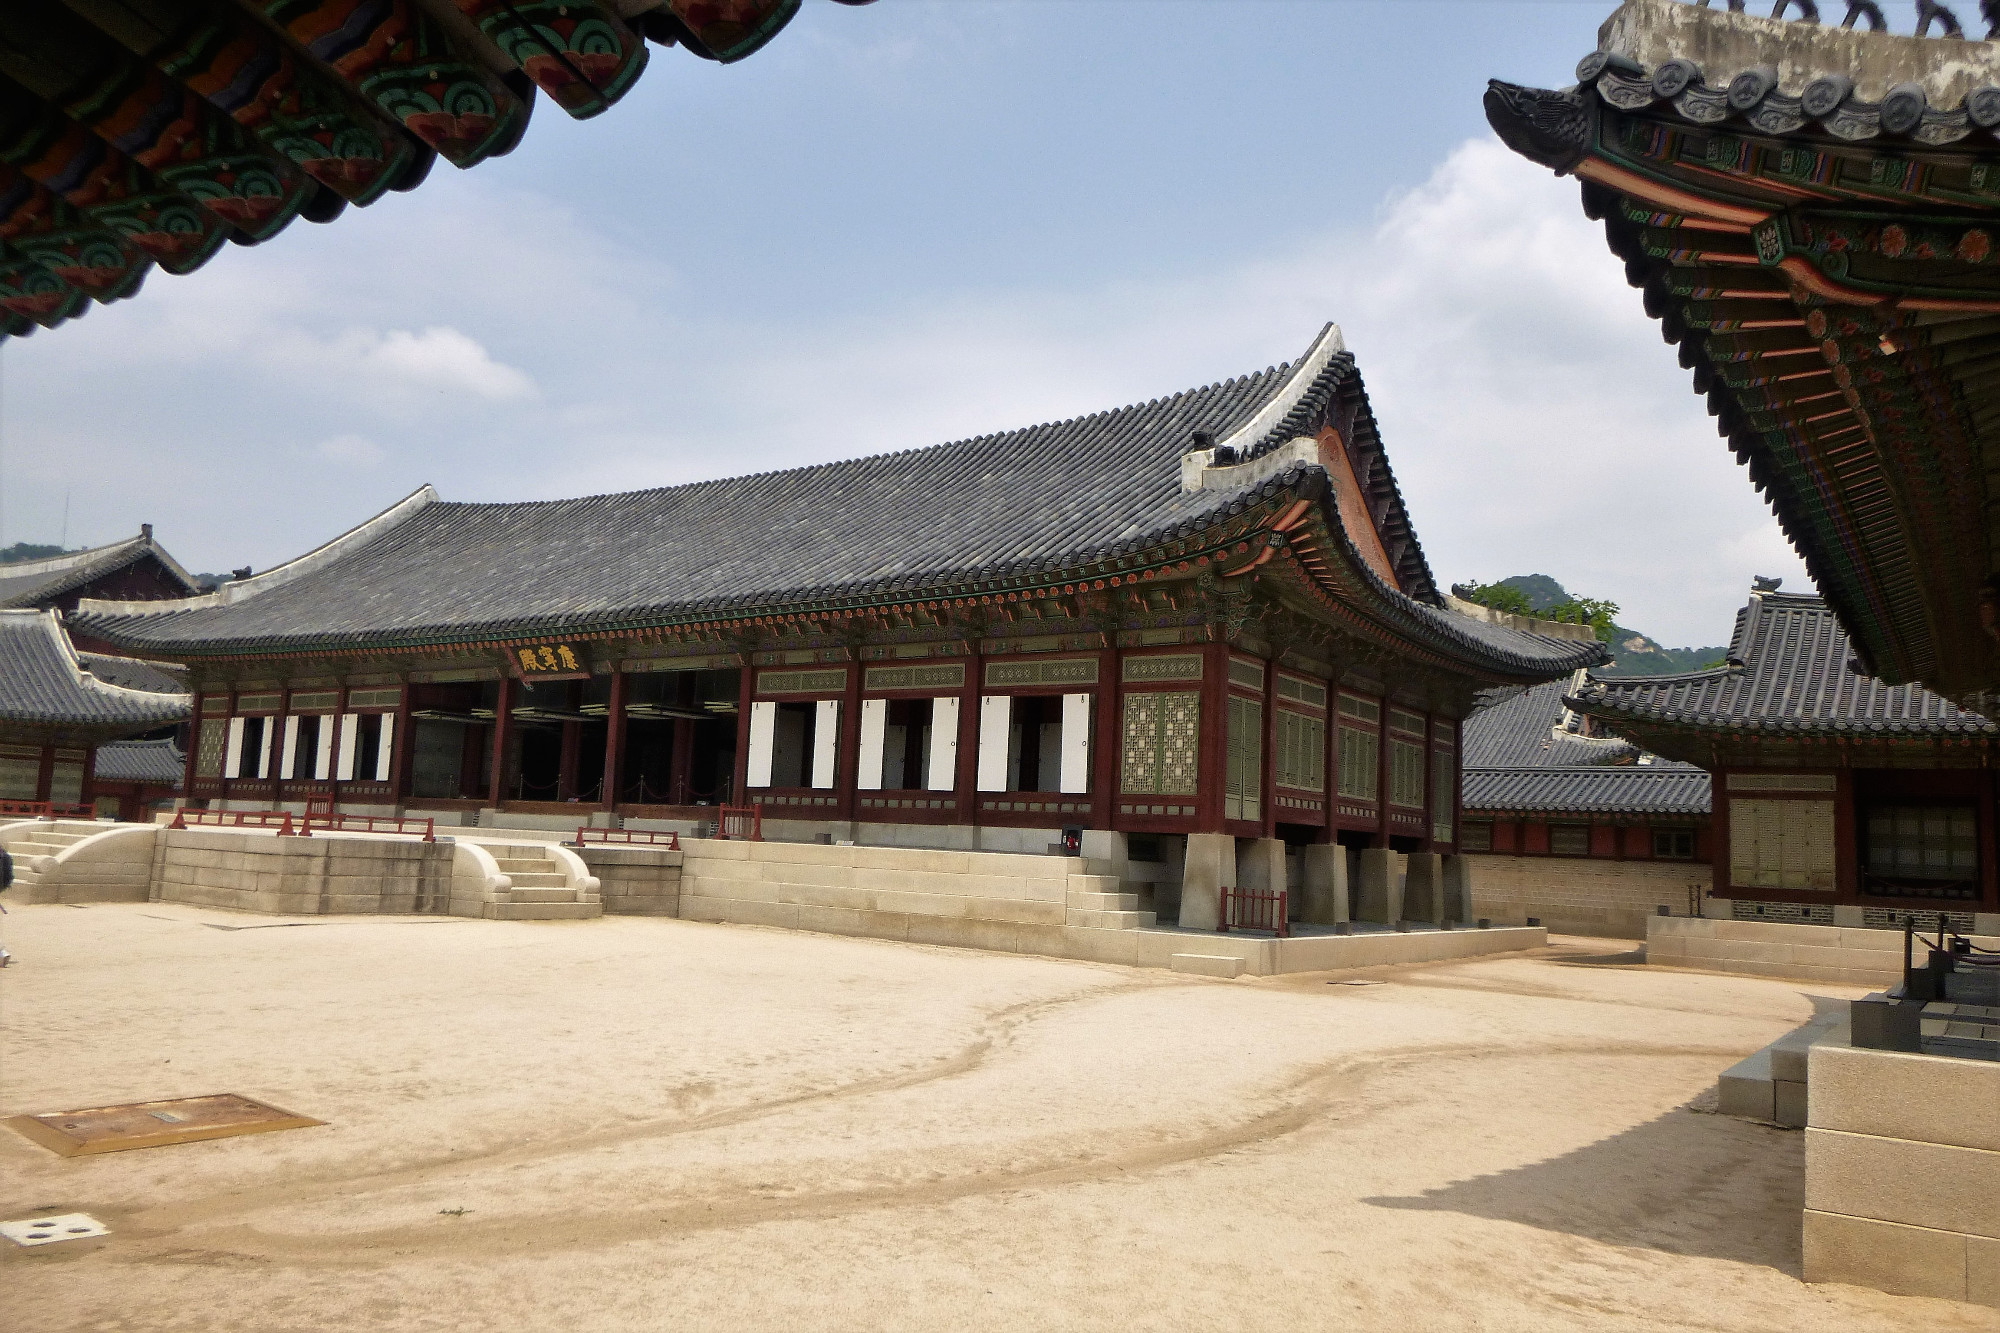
{"x":1010,"y":505}
{"x":42,"y":682}
{"x":29,"y":583}
{"x":133,"y":674}
{"x":1789,"y":674}
{"x":157,"y":763}
{"x":1665,"y":789}
{"x":1526,"y":731}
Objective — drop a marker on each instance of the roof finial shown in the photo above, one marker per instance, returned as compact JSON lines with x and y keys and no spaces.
{"x":1764,"y":583}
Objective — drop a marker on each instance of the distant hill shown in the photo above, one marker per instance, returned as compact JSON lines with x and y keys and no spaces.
{"x":21,"y":551}
{"x":1632,"y":653}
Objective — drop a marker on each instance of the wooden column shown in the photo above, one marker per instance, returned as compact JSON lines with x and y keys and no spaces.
{"x":847,"y":752}
{"x":45,"y":772}
{"x":1267,"y":801}
{"x":503,"y":731}
{"x":402,"y":752}
{"x":1330,"y":790}
{"x":1108,"y":738}
{"x":1430,"y":782}
{"x":1382,"y":769}
{"x":572,"y":740}
{"x":193,"y":750}
{"x":680,"y":760}
{"x":968,"y":734}
{"x":1214,"y":757}
{"x":614,"y":741}
{"x":739,"y":786}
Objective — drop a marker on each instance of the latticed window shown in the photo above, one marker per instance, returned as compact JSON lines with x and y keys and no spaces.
{"x":1673,"y":844}
{"x":1937,"y":844}
{"x":1477,"y":836}
{"x":1444,"y":793}
{"x":1406,"y":774}
{"x":1242,"y":793}
{"x":208,"y":753}
{"x":1301,"y":751}
{"x":1162,"y":749}
{"x":1360,"y":763}
{"x":1781,"y":844}
{"x":20,"y":772}
{"x":1569,"y":839}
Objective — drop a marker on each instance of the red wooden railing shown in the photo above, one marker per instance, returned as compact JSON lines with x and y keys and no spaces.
{"x":1255,"y":909}
{"x":46,"y":810}
{"x":424,"y":827}
{"x":628,"y":837}
{"x":744,"y":822}
{"x":280,"y":820}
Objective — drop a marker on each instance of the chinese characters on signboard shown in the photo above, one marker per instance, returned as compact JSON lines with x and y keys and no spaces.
{"x":548,"y":659}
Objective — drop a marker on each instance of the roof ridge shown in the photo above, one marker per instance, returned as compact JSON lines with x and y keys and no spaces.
{"x":51,"y":564}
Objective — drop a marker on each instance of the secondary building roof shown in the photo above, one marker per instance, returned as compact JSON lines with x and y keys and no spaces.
{"x":1811,"y":215}
{"x":135,"y":568}
{"x":45,"y":688}
{"x":143,"y":135}
{"x":1108,"y":497}
{"x":1531,"y":755}
{"x":1791,"y":681}
{"x":157,"y":763}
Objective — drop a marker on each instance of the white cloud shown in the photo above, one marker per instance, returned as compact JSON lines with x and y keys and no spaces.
{"x":440,"y":359}
{"x":352,"y":450}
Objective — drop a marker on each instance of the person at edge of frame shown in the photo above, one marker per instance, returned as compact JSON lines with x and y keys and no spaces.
{"x":6,"y":882}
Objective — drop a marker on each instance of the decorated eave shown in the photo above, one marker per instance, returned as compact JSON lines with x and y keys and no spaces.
{"x":1790,"y":682}
{"x":136,"y":135}
{"x":37,"y":583}
{"x":47,"y":691}
{"x":1811,"y":213}
{"x":1212,"y":508}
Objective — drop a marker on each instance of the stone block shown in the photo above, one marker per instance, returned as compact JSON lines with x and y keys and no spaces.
{"x":1898,"y":1180}
{"x":1904,"y":1095}
{"x":1788,"y":1103}
{"x":1901,"y":1260}
{"x":1745,"y":1089}
{"x":1323,"y":897}
{"x":957,"y":932}
{"x":1260,"y":865}
{"x":847,"y":921}
{"x":1458,"y":889}
{"x":1982,"y":1270}
{"x":1211,"y":864}
{"x":1378,"y":890}
{"x":1206,"y":965}
{"x":1423,"y":888}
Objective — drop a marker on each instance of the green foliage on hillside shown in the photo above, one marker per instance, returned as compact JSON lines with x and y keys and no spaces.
{"x":1632,"y":653}
{"x":20,"y":551}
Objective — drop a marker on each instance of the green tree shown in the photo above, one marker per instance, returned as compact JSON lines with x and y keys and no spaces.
{"x":1586,"y":611}
{"x":1497,"y":596}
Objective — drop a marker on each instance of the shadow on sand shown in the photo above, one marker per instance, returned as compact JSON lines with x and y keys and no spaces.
{"x":1684,"y":1183}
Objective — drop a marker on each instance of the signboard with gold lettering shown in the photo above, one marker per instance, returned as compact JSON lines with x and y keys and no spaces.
{"x":548,"y":659}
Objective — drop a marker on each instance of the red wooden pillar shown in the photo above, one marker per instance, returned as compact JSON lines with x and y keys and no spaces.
{"x":45,"y":772}
{"x":614,"y":741}
{"x":402,"y":752}
{"x":967,"y":779}
{"x":503,"y":731}
{"x":572,"y":741}
{"x":1267,"y":800}
{"x":1212,"y":785}
{"x":193,"y":754}
{"x":1458,"y":784}
{"x":1329,"y":796}
{"x":1430,"y":782}
{"x":680,"y":762}
{"x":739,"y":787}
{"x":1109,"y":739}
{"x":847,"y":754}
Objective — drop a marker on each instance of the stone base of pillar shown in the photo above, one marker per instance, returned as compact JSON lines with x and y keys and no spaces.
{"x":1423,"y":888}
{"x":1378,"y":889}
{"x":1261,"y":865}
{"x":1458,"y":890}
{"x":1211,"y":864}
{"x":1323,"y":894}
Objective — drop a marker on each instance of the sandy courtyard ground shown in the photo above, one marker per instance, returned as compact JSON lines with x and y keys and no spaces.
{"x":655,"y":1124}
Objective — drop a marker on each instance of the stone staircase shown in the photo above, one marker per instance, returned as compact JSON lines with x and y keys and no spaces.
{"x":46,"y":841}
{"x":1095,"y":901}
{"x":542,"y":889}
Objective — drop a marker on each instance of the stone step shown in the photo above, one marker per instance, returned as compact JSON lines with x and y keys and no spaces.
{"x":1113,"y":920}
{"x":1097,"y":865}
{"x":1094,"y":884}
{"x":537,"y":879}
{"x":541,"y":894}
{"x":543,"y":911}
{"x":525,"y":864}
{"x":38,"y":847}
{"x":1103,"y":902}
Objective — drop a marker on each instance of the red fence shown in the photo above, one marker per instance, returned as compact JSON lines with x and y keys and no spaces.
{"x":743,"y":822}
{"x":1255,"y":909}
{"x":280,"y":820}
{"x":426,"y":828}
{"x":628,"y":837}
{"x":46,"y":810}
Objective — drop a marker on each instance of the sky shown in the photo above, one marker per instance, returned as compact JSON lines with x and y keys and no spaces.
{"x":916,"y":222}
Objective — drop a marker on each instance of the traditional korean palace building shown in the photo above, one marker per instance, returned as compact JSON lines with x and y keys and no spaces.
{"x":1810,"y":213}
{"x":149,"y":135}
{"x":136,"y":569}
{"x":1203,"y":615}
{"x":1839,"y":799}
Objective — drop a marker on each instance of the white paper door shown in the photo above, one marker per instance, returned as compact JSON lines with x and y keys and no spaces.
{"x":996,"y":714}
{"x":763,"y":732}
{"x":232,"y":750}
{"x":874,"y":721}
{"x":944,"y":745}
{"x":264,"y":749}
{"x":350,"y":725}
{"x":826,"y":743}
{"x":288,"y":755}
{"x":1076,"y":743}
{"x":383,"y":747}
{"x":323,"y":761}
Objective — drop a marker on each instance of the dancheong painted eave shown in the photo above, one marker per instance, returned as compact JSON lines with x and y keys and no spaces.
{"x":1229,"y":482}
{"x":1811,"y":214}
{"x":144,"y":135}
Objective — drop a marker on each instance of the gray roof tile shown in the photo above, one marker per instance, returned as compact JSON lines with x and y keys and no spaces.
{"x":158,"y":763}
{"x":42,"y":682}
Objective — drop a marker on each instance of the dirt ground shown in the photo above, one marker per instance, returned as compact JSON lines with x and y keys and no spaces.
{"x":655,"y":1124}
